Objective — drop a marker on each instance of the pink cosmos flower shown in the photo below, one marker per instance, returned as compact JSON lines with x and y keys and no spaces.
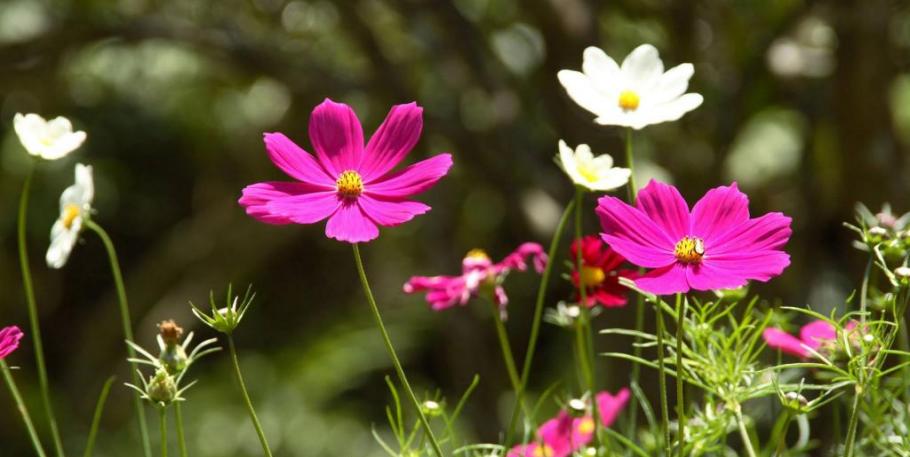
{"x":351,"y":185}
{"x":477,"y":271}
{"x":9,"y":340}
{"x":563,"y":435}
{"x":600,"y":273}
{"x":811,"y":336}
{"x":716,"y":245}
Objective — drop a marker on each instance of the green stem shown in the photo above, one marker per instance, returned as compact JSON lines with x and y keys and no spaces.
{"x":246,"y":398}
{"x":23,"y":411}
{"x":33,"y":312}
{"x":96,"y":418}
{"x":507,"y":356}
{"x":743,"y":433}
{"x":662,"y":378}
{"x":181,"y":439}
{"x":853,"y":424}
{"x":633,"y":190}
{"x":538,"y":314}
{"x":680,"y":386}
{"x":391,"y":349}
{"x":639,"y":300}
{"x":864,"y":290}
{"x":127,"y":325}
{"x":163,"y":415}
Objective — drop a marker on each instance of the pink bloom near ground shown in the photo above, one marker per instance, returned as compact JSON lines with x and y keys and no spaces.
{"x":811,"y":335}
{"x":337,"y":138}
{"x":734,"y":247}
{"x":9,"y":340}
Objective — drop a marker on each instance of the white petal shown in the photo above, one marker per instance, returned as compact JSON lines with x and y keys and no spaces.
{"x":85,"y":180}
{"x":566,"y":156}
{"x":642,"y":66}
{"x":670,"y":85}
{"x":614,"y":179}
{"x":583,"y":91}
{"x":63,"y":145}
{"x":675,"y":109}
{"x":602,"y":69}
{"x":62,"y":242}
{"x":583,"y":153}
{"x":602,"y":163}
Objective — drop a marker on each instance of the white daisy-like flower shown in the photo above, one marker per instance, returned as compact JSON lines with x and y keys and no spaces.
{"x":75,"y":206}
{"x":592,"y":173}
{"x":636,"y":94}
{"x":49,"y":140}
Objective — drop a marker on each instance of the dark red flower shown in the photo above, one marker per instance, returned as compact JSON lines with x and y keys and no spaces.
{"x":600,"y":273}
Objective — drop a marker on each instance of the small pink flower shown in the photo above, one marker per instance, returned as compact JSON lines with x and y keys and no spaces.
{"x":811,"y":336}
{"x":714,"y":246}
{"x":477,"y":271}
{"x":9,"y":340}
{"x":351,"y":185}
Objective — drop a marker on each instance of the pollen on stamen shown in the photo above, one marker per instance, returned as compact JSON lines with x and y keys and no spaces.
{"x":629,"y":100}
{"x":349,"y":184}
{"x":70,"y":213}
{"x":689,"y":250}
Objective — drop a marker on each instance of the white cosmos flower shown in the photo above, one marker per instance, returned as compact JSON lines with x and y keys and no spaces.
{"x":49,"y":140}
{"x":75,"y":206}
{"x":592,"y":173}
{"x":636,"y":94}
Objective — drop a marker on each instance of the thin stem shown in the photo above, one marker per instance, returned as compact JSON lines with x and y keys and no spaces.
{"x":181,"y":439}
{"x":639,"y":300}
{"x":127,"y":325}
{"x":538,"y":314}
{"x":853,"y":424}
{"x":662,"y":378}
{"x":507,"y":356}
{"x":33,"y":311}
{"x":743,"y":433}
{"x":163,"y":415}
{"x":864,"y":290}
{"x":680,"y":385}
{"x":23,"y":411}
{"x":246,"y":398}
{"x":633,"y":190}
{"x":96,"y":418}
{"x":586,"y":341}
{"x":388,"y":344}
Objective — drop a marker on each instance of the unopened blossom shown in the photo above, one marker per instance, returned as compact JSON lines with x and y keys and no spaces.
{"x":75,"y":206}
{"x":636,"y":94}
{"x":565,"y":434}
{"x":49,"y":140}
{"x":812,"y":337}
{"x":350,"y":183}
{"x":716,"y":245}
{"x":600,"y":273}
{"x":479,"y":274}
{"x":592,"y":173}
{"x":9,"y":340}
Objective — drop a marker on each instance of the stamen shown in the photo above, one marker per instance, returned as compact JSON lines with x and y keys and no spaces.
{"x":544,"y":451}
{"x":349,"y":184}
{"x":591,"y":276}
{"x":689,"y":250}
{"x":586,"y":426}
{"x":628,"y":100}
{"x":477,"y":254}
{"x":70,"y":213}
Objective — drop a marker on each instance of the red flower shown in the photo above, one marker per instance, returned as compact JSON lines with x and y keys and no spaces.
{"x":600,"y":273}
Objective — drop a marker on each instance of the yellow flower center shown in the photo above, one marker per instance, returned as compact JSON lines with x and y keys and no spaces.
{"x":628,"y":100}
{"x":543,"y":451}
{"x":70,"y":213}
{"x":591,"y":276}
{"x":586,"y":426}
{"x":588,"y":172}
{"x":349,"y":184}
{"x":477,"y":254}
{"x":689,"y":250}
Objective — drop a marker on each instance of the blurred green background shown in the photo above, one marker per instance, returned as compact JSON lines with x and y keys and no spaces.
{"x":807,"y":106}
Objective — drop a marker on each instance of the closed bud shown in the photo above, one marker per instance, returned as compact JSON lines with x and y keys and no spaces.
{"x":162,"y":388}
{"x":431,"y":408}
{"x":173,"y":355}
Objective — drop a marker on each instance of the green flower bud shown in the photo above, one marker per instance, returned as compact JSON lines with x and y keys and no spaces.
{"x":162,"y":388}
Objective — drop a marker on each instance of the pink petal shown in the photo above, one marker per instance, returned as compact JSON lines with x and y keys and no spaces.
{"x":768,"y":232}
{"x":255,"y":199}
{"x":758,"y":265}
{"x":350,"y":224}
{"x":610,"y":405}
{"x":709,"y":276}
{"x":557,"y":433}
{"x":665,"y":281}
{"x":9,"y":340}
{"x":305,"y":208}
{"x":411,"y":180}
{"x":443,"y":292}
{"x":633,"y":235}
{"x":816,"y":332}
{"x":390,"y":213}
{"x":397,"y":135}
{"x":666,"y":207}
{"x":296,"y":162}
{"x":719,"y":210}
{"x":785,"y":342}
{"x":524,"y":450}
{"x":337,"y":137}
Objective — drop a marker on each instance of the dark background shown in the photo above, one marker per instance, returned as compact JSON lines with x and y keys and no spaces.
{"x":807,"y":106}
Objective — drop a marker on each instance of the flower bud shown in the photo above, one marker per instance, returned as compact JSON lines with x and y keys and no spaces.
{"x":431,"y":408}
{"x":162,"y":388}
{"x":795,"y":402}
{"x":577,"y":407}
{"x":173,"y":356}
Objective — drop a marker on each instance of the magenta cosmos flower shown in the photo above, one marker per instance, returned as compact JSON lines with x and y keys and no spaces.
{"x":351,"y":185}
{"x":714,"y":246}
{"x":564,"y":434}
{"x":9,"y":340}
{"x":478,"y":274}
{"x":814,"y":335}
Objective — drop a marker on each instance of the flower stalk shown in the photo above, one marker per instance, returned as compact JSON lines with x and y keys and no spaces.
{"x":162,"y":414}
{"x":662,"y":380}
{"x":181,"y":439}
{"x":680,"y":386}
{"x":246,"y":397}
{"x":23,"y":411}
